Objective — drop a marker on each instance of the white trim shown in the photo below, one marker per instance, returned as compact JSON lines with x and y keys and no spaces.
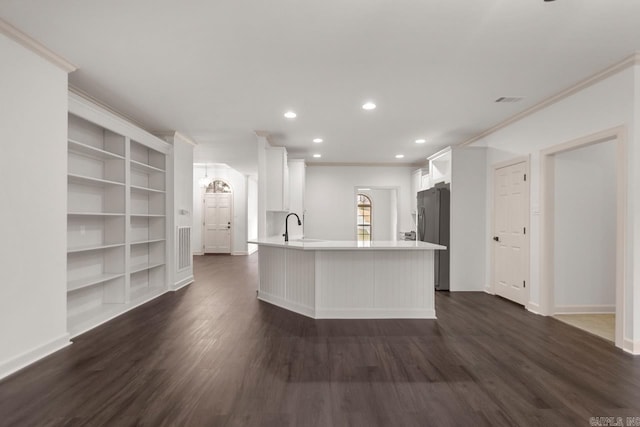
{"x":282,"y":303}
{"x":240,"y":253}
{"x":27,"y":358}
{"x":547,"y":209}
{"x":182,"y":283}
{"x":629,"y":61}
{"x":585,"y":309}
{"x":81,"y":106}
{"x":35,"y":46}
{"x":126,"y":307}
{"x":376,"y":313}
{"x":534,"y":308}
{"x":488,"y":289}
{"x":173,"y":136}
{"x":184,"y":138}
{"x":437,"y":154}
{"x":84,"y":95}
{"x":197,"y":253}
{"x":631,"y":347}
{"x":252,"y":249}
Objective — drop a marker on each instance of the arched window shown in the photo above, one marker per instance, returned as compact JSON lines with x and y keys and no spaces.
{"x":363,"y":223}
{"x":218,"y":186}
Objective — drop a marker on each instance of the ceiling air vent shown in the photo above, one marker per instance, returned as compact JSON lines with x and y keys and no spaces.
{"x":509,"y":99}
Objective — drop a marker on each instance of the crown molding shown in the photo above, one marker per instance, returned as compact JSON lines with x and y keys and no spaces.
{"x":184,"y":138}
{"x":96,"y":113}
{"x":82,"y":94}
{"x":171,"y":134}
{"x":629,"y":61}
{"x":35,"y":46}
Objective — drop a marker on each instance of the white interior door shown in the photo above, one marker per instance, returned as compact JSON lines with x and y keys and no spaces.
{"x":217,"y":223}
{"x":511,"y":243}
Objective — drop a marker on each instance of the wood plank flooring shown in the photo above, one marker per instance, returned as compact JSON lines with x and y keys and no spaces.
{"x":213,"y":355}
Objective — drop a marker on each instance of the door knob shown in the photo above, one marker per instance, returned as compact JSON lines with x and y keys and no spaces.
{"x":496,"y":238}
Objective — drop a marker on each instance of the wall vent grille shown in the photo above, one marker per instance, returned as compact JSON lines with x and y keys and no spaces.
{"x":508,"y":99}
{"x":184,"y":248}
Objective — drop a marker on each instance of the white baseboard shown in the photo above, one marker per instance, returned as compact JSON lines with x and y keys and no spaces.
{"x":182,"y":283}
{"x":25,"y":359}
{"x":534,"y":308}
{"x":253,"y":249}
{"x":198,"y":253}
{"x":585,"y":309}
{"x":296,"y":308}
{"x":631,"y":347}
{"x":489,"y":290}
{"x":240,"y":253}
{"x":376,"y":313}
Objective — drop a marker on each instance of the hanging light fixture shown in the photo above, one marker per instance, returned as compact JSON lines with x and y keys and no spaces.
{"x":205,"y":180}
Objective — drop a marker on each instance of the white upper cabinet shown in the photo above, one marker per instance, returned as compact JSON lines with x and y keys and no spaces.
{"x":440,"y":166}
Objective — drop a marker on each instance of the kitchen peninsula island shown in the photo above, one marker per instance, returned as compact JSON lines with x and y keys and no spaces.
{"x":326,"y":279}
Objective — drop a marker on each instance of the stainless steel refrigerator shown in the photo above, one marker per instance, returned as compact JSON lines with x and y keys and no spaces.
{"x":433,"y":227}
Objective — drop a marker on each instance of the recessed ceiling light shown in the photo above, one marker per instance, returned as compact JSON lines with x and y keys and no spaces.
{"x":368,"y":106}
{"x":399,"y":156}
{"x":317,"y":140}
{"x":317,"y":156}
{"x":290,"y":115}
{"x":420,"y":141}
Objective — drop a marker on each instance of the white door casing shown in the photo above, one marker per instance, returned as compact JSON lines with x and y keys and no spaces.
{"x":217,"y":222}
{"x":511,"y":231}
{"x":547,"y":232}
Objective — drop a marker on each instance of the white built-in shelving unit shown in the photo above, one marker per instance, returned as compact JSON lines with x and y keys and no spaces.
{"x":117,"y":216}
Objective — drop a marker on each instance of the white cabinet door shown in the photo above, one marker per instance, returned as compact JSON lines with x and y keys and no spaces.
{"x":217,"y":223}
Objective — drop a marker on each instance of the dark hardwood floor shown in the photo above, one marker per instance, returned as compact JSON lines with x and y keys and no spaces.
{"x":211,"y":354}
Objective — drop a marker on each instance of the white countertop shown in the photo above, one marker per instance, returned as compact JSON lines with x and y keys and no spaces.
{"x":344,"y":245}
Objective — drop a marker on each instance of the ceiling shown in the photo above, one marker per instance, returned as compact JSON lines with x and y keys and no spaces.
{"x":219,"y":70}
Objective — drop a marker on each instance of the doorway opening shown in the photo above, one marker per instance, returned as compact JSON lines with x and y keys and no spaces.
{"x":375,"y":214}
{"x":217,"y":228}
{"x":363,"y":223}
{"x":583,"y":199}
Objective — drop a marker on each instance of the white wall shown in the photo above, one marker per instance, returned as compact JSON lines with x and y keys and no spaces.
{"x":604,"y":105}
{"x":585,"y":228}
{"x":467,"y":244}
{"x":238,"y":183}
{"x":182,"y":199}
{"x":329,"y":197}
{"x":252,"y":212}
{"x":33,"y":188}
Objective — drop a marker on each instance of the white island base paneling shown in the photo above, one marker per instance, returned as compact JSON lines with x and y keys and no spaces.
{"x":349,"y":284}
